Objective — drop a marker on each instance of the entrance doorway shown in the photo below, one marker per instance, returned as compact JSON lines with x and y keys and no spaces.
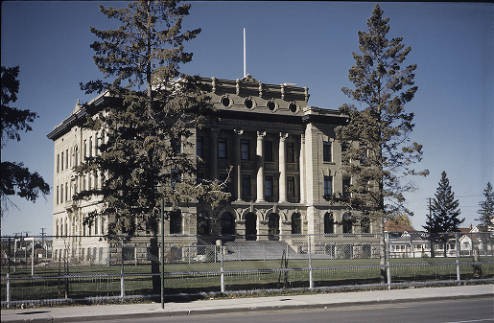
{"x":228,"y":227}
{"x":251,"y":226}
{"x":273,"y":227}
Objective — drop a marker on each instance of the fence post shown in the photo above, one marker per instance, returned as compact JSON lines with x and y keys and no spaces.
{"x":122,"y":283}
{"x":309,"y":251}
{"x":388,"y":269}
{"x":457,"y":245}
{"x":8,"y":289}
{"x":222,"y":270}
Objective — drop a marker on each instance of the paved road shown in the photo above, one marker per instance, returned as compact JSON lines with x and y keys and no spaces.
{"x":471,"y":310}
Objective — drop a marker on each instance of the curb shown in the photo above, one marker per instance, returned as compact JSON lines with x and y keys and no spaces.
{"x":242,"y":309}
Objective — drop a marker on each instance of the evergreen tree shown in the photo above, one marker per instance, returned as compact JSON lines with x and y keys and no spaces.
{"x":377,"y":134}
{"x":145,"y":158}
{"x":486,"y":210}
{"x":444,"y":211}
{"x":15,"y":178}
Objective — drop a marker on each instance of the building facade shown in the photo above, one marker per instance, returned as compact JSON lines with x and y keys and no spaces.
{"x":280,"y":155}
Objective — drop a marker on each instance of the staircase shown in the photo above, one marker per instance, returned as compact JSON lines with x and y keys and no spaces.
{"x":256,"y":250}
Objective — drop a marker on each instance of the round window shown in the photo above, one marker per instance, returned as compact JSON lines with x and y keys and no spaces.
{"x":249,"y":103}
{"x":226,"y":101}
{"x":271,"y":105}
{"x":293,"y":107}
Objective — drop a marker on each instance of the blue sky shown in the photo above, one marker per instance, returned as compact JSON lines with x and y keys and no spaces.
{"x":307,"y":43}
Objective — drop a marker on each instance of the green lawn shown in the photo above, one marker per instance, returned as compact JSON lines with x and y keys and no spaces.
{"x":86,"y":281}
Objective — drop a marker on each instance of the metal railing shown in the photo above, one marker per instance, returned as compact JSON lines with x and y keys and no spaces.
{"x":65,"y":269}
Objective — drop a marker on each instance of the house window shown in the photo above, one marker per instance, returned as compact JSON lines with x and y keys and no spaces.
{"x":222,"y":152}
{"x":176,"y":146}
{"x":246,"y":193}
{"x":176,"y":222}
{"x":58,"y":197}
{"x":296,"y":223}
{"x":84,"y":149}
{"x":268,"y":150}
{"x":90,"y":146}
{"x":200,"y":147}
{"x":66,"y":159}
{"x":76,"y":156}
{"x":61,"y":193}
{"x":62,"y":160}
{"x":346,"y":187}
{"x":328,"y":223}
{"x":290,"y":152}
{"x":96,"y":144}
{"x":328,"y":187}
{"x":96,"y":226}
{"x":66,"y":191}
{"x":347,"y":223}
{"x":290,"y":183}
{"x":58,"y":163}
{"x":244,"y":149}
{"x":365,"y":225}
{"x":268,"y":188}
{"x":326,"y":151}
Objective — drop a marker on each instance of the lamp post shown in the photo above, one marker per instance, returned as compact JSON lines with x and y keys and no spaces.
{"x":162,"y":289}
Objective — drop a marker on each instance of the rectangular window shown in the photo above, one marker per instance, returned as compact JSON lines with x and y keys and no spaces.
{"x":176,"y":146}
{"x":290,"y":183}
{"x":90,"y":146}
{"x":58,"y":163}
{"x":326,"y":151}
{"x":222,"y":152}
{"x":66,"y":191}
{"x":61,"y":193}
{"x":290,"y":152}
{"x":84,"y":152}
{"x":246,"y":193}
{"x":328,"y":186}
{"x":66,"y":159}
{"x":58,"y":197}
{"x":62,"y":160}
{"x":268,"y":150}
{"x":268,"y":188}
{"x":244,"y":149}
{"x":200,"y":147}
{"x":96,"y":144}
{"x":346,"y":186}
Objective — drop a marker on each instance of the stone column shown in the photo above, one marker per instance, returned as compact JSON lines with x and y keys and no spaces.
{"x":302,"y":168}
{"x":282,"y":167}
{"x":238,"y":175}
{"x":214,"y":153}
{"x":260,"y":167}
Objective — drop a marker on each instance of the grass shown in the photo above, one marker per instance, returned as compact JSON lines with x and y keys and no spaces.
{"x":91,"y":281}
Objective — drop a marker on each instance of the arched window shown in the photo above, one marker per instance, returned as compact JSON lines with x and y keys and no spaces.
{"x":176,"y":222}
{"x":365,"y":224}
{"x":296,"y":223}
{"x":328,"y":223}
{"x":203,"y":224}
{"x":347,"y":223}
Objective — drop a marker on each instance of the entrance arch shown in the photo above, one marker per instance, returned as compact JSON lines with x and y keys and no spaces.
{"x":227,"y":226}
{"x":251,"y":226}
{"x":273,"y":227}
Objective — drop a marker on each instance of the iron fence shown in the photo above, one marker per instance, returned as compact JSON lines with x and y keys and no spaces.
{"x":57,"y":269}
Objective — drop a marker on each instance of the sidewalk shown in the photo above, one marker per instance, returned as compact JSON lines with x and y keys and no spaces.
{"x":98,"y":312}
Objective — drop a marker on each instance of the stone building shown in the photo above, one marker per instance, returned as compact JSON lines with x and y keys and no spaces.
{"x":286,"y":173}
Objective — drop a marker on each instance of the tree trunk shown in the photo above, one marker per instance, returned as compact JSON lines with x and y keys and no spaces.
{"x":155,"y":264}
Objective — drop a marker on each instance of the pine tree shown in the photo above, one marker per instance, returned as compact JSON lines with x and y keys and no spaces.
{"x":444,"y":211}
{"x":145,"y":158}
{"x":15,"y":178}
{"x":377,"y":134}
{"x":486,"y":210}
